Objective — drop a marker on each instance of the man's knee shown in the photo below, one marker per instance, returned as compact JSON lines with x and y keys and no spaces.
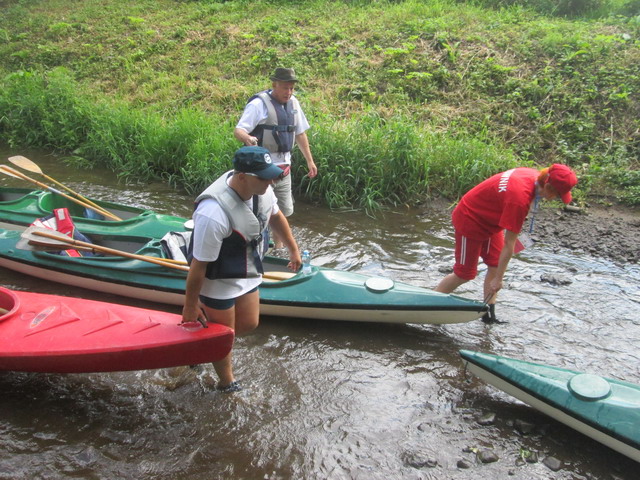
{"x":246,"y":325}
{"x":465,"y":274}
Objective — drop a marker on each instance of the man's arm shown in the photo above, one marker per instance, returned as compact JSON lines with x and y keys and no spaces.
{"x":254,"y":112}
{"x":505,"y":256}
{"x":303,"y":142}
{"x":191,"y":312}
{"x":280,"y":227}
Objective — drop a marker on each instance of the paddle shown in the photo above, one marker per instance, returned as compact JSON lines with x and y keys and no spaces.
{"x":50,"y":245}
{"x":52,"y":239}
{"x":39,"y":236}
{"x":25,"y":163}
{"x":15,"y":173}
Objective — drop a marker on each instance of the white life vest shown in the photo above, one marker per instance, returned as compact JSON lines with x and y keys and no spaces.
{"x":241,"y":252}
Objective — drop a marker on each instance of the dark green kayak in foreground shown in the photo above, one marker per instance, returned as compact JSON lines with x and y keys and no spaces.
{"x":605,"y":409}
{"x":323,"y":294}
{"x":21,"y":206}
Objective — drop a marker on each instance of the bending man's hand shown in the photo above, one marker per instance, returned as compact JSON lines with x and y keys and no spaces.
{"x":495,"y":286}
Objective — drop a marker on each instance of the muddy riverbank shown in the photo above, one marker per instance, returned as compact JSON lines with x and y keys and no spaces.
{"x":609,"y":232}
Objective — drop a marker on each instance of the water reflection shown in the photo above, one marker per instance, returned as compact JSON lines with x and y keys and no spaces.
{"x":334,"y":400}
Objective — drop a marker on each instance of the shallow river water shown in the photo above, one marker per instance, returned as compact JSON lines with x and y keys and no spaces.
{"x":334,"y":400}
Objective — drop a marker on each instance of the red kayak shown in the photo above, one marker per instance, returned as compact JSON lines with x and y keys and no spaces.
{"x":49,"y":333}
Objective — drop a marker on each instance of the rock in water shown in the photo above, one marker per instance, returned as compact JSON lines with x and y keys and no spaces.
{"x":552,"y":463}
{"x":555,"y":279}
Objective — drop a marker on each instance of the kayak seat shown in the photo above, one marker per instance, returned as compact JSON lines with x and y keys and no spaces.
{"x":276,"y":276}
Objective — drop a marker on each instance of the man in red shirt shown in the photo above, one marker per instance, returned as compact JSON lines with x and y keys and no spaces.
{"x":499,"y":204}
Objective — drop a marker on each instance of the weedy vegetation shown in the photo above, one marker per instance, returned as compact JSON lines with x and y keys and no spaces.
{"x":407,"y":99}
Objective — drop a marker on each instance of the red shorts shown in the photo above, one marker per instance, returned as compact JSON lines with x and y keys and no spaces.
{"x":469,"y":251}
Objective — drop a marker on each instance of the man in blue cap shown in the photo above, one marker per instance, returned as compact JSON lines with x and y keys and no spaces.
{"x":227,"y":246}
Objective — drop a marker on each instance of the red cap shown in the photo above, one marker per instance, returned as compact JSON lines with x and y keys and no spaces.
{"x":563,"y":179}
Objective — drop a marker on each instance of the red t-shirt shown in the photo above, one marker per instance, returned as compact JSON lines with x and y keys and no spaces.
{"x":500,"y":202}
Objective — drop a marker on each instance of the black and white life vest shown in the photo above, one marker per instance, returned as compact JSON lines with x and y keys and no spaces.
{"x":278,"y":133}
{"x":241,"y":252}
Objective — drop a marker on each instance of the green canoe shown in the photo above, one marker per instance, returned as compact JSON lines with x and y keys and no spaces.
{"x":605,"y":409}
{"x":325,"y":293}
{"x":21,"y":206}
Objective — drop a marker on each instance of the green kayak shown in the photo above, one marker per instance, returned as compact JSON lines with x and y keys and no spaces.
{"x":21,"y":206}
{"x":605,"y":409}
{"x":325,"y":293}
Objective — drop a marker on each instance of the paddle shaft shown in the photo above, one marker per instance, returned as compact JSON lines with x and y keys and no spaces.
{"x":96,"y":207}
{"x":112,"y":251}
{"x":10,"y":171}
{"x":80,"y":245}
{"x":178,"y":265}
{"x":63,"y":245}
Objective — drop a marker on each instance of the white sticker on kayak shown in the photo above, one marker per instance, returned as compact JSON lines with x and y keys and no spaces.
{"x":39,"y":318}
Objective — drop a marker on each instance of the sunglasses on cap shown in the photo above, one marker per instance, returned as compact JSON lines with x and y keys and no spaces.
{"x":278,"y":178}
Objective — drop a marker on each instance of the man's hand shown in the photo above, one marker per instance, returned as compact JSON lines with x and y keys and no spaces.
{"x":495,"y":286}
{"x":313,"y":170}
{"x":191,"y":315}
{"x":295,"y":262}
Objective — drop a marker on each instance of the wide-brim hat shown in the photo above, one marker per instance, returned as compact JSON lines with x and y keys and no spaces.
{"x":256,"y":160}
{"x":563,"y":179}
{"x":284,"y":75}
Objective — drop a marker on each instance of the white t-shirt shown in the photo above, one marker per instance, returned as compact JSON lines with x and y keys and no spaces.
{"x":211,"y":226}
{"x":256,"y":113}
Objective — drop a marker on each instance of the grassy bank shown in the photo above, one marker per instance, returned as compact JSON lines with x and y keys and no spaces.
{"x":406,"y":99}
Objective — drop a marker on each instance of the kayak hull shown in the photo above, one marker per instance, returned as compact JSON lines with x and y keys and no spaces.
{"x":55,"y":334}
{"x":607,"y":410}
{"x":325,"y":294}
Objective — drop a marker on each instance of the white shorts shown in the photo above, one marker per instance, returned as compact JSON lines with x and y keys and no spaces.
{"x":282,"y":189}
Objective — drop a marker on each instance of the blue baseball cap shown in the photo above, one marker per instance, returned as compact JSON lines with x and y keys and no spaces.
{"x":256,"y":160}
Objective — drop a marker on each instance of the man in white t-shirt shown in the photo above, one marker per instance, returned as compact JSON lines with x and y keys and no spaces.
{"x":274,"y":120}
{"x":227,"y":246}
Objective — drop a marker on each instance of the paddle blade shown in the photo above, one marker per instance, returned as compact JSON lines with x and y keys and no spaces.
{"x":7,"y":170}
{"x":24,"y":244}
{"x":24,"y":162}
{"x":47,"y":238}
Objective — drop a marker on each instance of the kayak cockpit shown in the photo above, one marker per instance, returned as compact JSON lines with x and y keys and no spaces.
{"x":9,"y":304}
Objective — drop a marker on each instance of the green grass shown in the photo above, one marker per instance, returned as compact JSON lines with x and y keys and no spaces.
{"x":407,"y":99}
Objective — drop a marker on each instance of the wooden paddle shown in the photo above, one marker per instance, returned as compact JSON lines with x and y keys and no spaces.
{"x":50,"y":245}
{"x":39,"y":236}
{"x":43,"y":236}
{"x":15,"y":173}
{"x":31,"y":166}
